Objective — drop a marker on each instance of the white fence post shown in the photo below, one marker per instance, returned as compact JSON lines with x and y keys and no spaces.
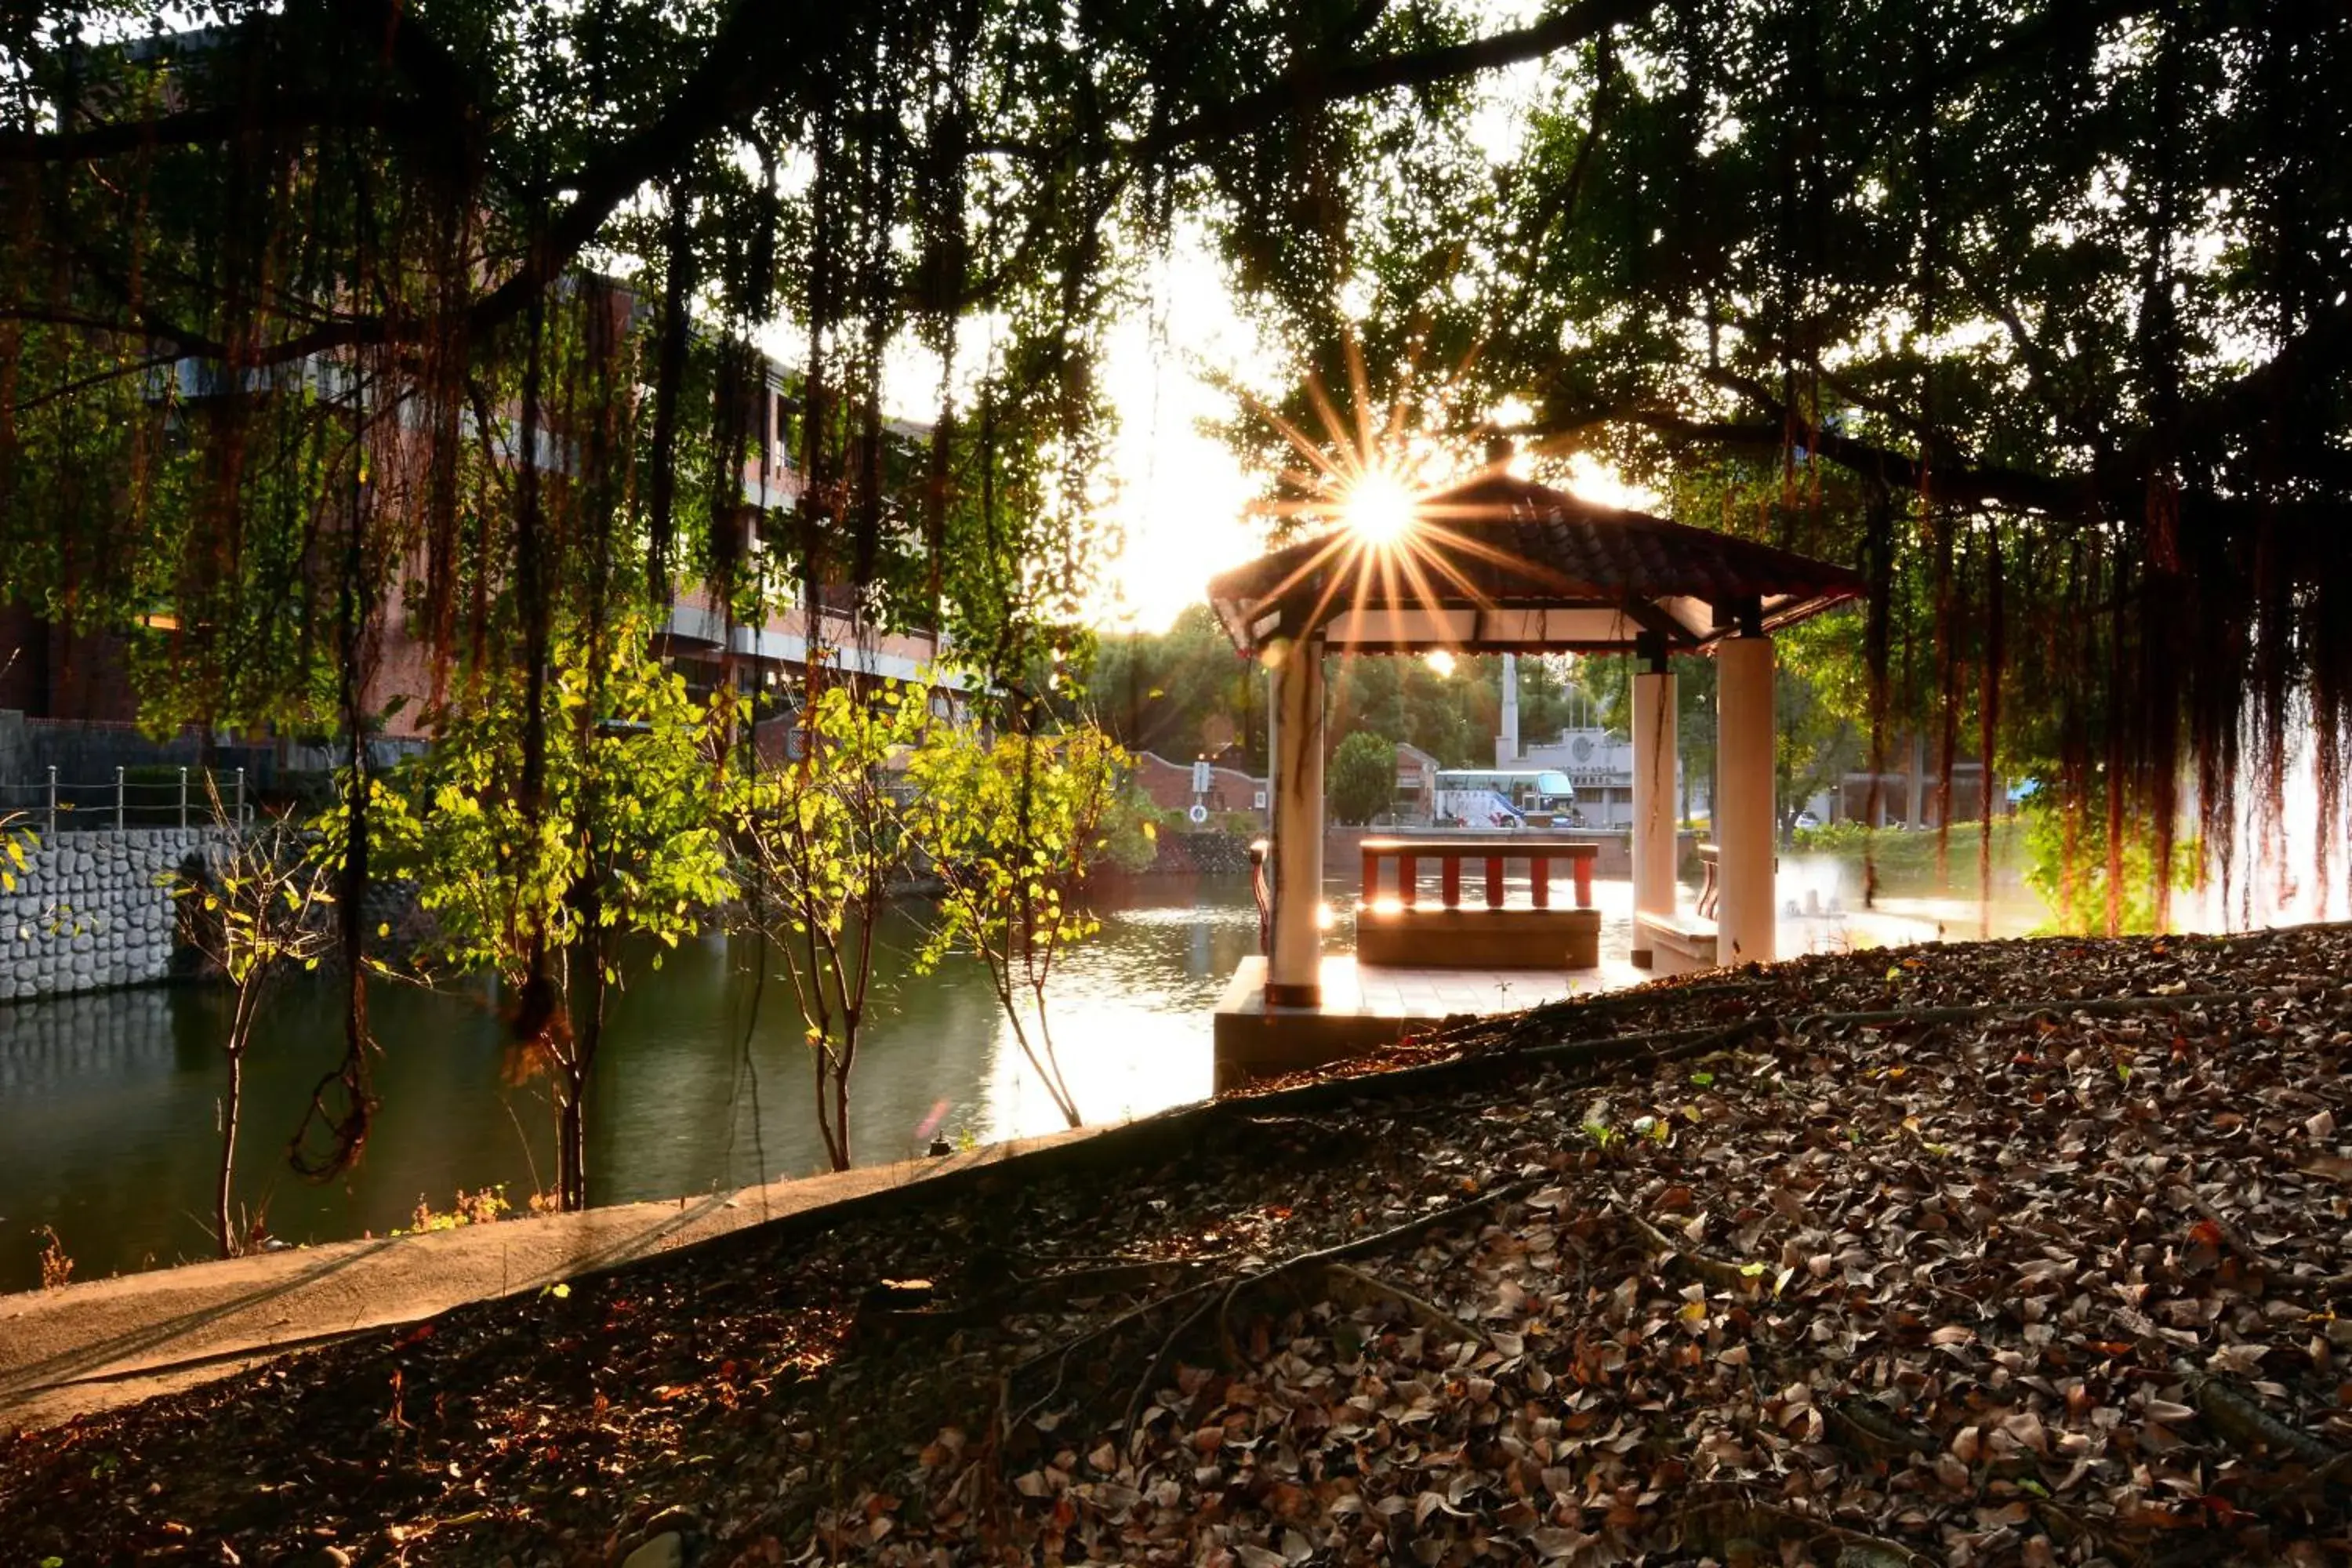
{"x":239,"y":817}
{"x":117,"y":800}
{"x":183,"y":798}
{"x":53,"y":804}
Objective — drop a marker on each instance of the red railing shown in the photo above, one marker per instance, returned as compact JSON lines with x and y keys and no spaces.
{"x":1450,"y":854}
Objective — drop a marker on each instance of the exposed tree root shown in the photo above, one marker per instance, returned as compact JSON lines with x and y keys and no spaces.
{"x":1713,"y":1271}
{"x":1734,"y":1528}
{"x":2241,"y":1421}
{"x":1427,"y":1312}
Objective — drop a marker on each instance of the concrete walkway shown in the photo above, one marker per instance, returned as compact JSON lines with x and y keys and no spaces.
{"x":93,"y":1346}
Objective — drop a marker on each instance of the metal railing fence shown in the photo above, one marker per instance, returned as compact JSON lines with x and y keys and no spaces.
{"x":124,"y":803}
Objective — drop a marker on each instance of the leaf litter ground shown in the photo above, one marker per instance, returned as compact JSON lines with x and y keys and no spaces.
{"x":2020,"y":1252}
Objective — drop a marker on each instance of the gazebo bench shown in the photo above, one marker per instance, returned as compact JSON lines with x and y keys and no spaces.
{"x":1404,"y":933}
{"x":1677,"y":944}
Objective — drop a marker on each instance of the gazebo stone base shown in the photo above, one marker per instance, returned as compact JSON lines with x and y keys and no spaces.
{"x":1367,"y":1009}
{"x":1474,"y":938}
{"x":1673,"y":944}
{"x":1254,"y":1040}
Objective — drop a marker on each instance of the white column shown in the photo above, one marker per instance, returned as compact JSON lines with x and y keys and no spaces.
{"x":1743,"y":816}
{"x":1294,"y":971}
{"x":1507,"y":742}
{"x":1654,"y":837}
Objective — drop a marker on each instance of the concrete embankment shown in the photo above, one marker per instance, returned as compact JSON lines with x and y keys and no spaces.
{"x":92,"y":1346}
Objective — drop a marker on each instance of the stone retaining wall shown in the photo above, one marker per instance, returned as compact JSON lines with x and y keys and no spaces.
{"x":1181,"y":854}
{"x":91,"y":911}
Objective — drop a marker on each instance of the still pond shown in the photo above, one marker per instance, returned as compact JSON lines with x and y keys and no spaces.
{"x":107,"y":1130}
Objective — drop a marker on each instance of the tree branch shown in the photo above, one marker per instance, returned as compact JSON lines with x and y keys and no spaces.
{"x":1953,"y":478}
{"x":1314,"y":82}
{"x":195,"y":127}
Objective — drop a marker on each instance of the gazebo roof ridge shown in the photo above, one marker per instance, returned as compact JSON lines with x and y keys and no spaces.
{"x":1501,"y":563}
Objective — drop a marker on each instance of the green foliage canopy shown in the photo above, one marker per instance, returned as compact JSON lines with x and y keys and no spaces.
{"x":1362,"y":777}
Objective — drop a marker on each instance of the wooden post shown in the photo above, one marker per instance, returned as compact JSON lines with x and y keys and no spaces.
{"x":1539,"y":878}
{"x":1408,"y":872}
{"x":1493,"y":881}
{"x":1584,"y":881}
{"x":1372,"y":877}
{"x":1452,"y":897}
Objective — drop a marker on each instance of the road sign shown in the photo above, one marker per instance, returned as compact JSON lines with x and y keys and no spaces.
{"x":1198,"y":813}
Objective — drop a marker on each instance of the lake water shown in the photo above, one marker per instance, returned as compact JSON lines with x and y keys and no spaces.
{"x":107,"y":1102}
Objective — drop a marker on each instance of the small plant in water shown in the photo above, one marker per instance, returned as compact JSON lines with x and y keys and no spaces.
{"x":57,"y":1268}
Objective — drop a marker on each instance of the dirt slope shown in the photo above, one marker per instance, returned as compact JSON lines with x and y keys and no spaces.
{"x":2005,"y":1253}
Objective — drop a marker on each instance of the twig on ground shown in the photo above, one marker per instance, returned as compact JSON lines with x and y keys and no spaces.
{"x":1660,"y":1045}
{"x":1060,"y":1356}
{"x":1713,"y":1271}
{"x":2240,"y":1242}
{"x":1428,"y":1312}
{"x":2096,"y":1006}
{"x":1360,"y":1247}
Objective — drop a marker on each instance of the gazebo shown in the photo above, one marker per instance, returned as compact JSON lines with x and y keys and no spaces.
{"x":1498,"y":564}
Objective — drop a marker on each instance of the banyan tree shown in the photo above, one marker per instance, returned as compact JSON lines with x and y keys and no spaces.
{"x":318,"y":317}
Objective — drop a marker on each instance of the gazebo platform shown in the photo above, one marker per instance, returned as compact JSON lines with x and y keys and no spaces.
{"x":1367,"y":1006}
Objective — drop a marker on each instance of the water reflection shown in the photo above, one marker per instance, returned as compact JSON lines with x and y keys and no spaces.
{"x":108,"y":1127}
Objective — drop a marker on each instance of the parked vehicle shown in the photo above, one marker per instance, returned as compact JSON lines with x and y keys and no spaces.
{"x":1501,"y":798}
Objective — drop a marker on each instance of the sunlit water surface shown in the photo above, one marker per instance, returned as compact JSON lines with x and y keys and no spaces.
{"x":107,"y":1102}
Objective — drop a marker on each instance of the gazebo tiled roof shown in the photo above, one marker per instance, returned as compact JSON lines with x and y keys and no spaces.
{"x":1499,"y":564}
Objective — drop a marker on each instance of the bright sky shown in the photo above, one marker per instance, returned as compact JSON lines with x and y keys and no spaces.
{"x":1182,"y":501}
{"x":1181,"y":498}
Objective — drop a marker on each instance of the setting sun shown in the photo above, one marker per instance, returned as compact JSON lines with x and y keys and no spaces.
{"x":1380,"y":510}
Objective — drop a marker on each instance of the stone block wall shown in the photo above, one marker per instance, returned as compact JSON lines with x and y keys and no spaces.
{"x":1181,"y":854}
{"x":92,"y":911}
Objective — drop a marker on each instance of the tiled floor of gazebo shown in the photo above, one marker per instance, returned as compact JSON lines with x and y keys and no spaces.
{"x":1367,"y":1006}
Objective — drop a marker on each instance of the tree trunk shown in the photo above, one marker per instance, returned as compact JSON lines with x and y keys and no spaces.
{"x":1914,"y":764}
{"x":572,"y":1120}
{"x":230,"y":1107}
{"x":571,"y":1143}
{"x":841,"y":1155}
{"x":1048,"y":1064}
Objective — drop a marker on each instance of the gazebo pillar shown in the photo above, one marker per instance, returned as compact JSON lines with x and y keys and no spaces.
{"x":1294,"y":967}
{"x":1654,"y":840}
{"x":1744,"y":817}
